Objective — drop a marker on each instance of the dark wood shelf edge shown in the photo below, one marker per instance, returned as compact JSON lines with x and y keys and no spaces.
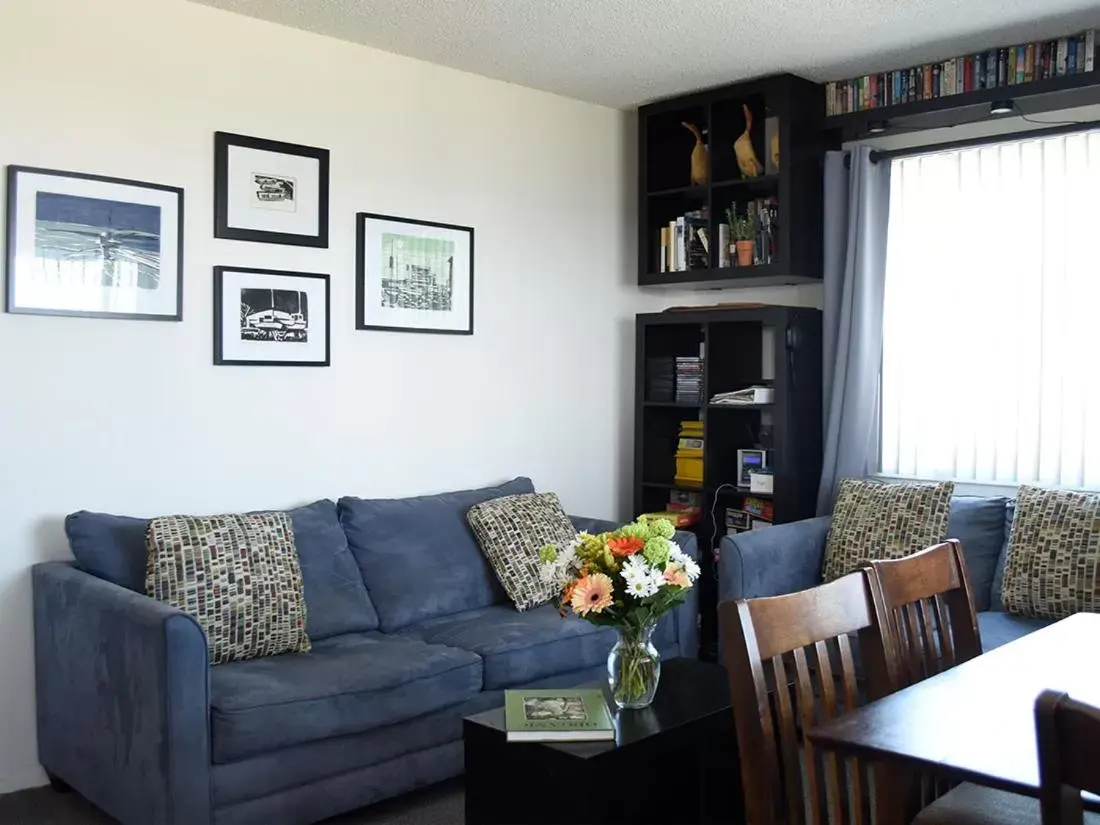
{"x":763,"y":180}
{"x":684,"y":405}
{"x":700,"y":190}
{"x":722,"y":278}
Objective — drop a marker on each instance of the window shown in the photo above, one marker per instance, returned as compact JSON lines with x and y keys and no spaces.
{"x":991,"y":350}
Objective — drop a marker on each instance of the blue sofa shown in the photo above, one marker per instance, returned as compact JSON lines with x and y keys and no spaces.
{"x":411,"y":631}
{"x":787,"y":558}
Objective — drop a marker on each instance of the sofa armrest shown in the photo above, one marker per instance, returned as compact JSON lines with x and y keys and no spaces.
{"x":123,"y":700}
{"x":782,"y":559}
{"x":687,"y":613}
{"x":584,"y":524}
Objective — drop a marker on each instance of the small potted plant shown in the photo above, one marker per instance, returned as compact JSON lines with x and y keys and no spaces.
{"x":743,"y":232}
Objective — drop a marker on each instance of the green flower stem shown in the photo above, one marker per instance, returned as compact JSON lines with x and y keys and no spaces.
{"x":637,"y":670}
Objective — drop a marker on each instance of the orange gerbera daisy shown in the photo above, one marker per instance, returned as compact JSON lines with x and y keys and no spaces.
{"x":592,"y":594}
{"x":626,"y":546}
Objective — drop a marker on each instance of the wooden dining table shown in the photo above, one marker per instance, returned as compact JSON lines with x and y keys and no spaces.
{"x":976,"y":722}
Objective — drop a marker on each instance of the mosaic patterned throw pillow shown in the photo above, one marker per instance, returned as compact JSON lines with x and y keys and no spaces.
{"x":875,"y":521}
{"x":510,"y":531}
{"x":1052,"y":569}
{"x":238,"y":575}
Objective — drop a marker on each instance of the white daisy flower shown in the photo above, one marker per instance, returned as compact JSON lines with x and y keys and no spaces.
{"x":684,"y":561}
{"x":639,"y":580}
{"x":656,"y":579}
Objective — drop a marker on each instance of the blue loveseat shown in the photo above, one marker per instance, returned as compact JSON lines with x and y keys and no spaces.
{"x":411,"y":631}
{"x":787,"y":558}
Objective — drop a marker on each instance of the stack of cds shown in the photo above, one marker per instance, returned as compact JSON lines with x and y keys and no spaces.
{"x":660,"y":377}
{"x":689,"y":379}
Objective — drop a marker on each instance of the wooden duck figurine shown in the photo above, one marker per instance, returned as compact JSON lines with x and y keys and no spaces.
{"x":700,"y":159}
{"x":747,"y":161}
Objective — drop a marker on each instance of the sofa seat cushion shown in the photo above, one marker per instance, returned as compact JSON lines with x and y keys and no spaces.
{"x":999,"y":628}
{"x":517,"y":648}
{"x":346,"y":684}
{"x":418,"y":556}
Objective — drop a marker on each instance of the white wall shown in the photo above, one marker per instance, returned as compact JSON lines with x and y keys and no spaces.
{"x":132,"y":417}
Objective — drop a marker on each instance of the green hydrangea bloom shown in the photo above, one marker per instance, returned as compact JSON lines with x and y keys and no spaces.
{"x":662,"y":527}
{"x":636,"y":530}
{"x":656,"y":551}
{"x":548,"y":554}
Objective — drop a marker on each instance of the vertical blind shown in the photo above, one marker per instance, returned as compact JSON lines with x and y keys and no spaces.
{"x":992,"y":314}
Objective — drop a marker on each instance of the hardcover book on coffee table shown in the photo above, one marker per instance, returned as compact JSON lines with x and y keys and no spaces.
{"x":566,"y":715}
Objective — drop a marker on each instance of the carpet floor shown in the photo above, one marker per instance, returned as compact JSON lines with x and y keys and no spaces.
{"x":439,"y":805}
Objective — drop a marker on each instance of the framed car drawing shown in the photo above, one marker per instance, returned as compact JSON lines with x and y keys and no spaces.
{"x":270,"y":317}
{"x":269,"y":191}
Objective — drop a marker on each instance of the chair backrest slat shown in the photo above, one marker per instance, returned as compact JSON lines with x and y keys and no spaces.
{"x":809,"y":630}
{"x":932,"y":609}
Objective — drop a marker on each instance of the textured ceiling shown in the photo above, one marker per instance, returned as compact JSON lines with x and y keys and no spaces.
{"x":625,"y":52}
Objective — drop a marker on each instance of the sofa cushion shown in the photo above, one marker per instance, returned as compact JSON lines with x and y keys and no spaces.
{"x":979,"y":523}
{"x":517,"y":648}
{"x":346,"y":684}
{"x":418,"y":556}
{"x":113,"y":548}
{"x":999,"y":628}
{"x":237,"y":575}
{"x":1053,"y":565}
{"x":880,"y":521}
{"x":510,"y":531}
{"x":996,"y":602}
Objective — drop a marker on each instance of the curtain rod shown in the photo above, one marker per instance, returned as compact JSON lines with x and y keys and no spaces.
{"x":1059,"y":129}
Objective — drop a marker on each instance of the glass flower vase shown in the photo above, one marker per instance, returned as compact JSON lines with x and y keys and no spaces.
{"x":634,"y":667}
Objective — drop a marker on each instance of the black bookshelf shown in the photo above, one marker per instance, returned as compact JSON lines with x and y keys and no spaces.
{"x":666,"y":191}
{"x":773,"y":346}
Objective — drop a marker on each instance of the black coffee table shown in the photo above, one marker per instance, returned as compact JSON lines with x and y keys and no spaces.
{"x":674,"y":762}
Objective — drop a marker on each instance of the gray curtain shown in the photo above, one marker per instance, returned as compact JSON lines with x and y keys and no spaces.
{"x":857,"y":211}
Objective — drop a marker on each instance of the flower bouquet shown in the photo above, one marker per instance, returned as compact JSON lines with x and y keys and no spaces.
{"x":626,"y":579}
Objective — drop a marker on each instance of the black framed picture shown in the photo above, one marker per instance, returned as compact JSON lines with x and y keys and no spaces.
{"x":270,"y":192}
{"x":270,"y":317}
{"x":413,"y":276}
{"x":93,"y":246}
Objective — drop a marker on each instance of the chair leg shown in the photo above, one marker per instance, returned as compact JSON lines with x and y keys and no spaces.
{"x":58,"y":784}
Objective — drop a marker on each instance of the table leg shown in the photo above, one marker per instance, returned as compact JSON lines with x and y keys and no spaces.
{"x":893,"y":784}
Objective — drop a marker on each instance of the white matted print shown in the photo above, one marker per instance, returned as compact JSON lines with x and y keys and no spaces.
{"x":269,"y":191}
{"x":414,"y":276}
{"x":267,"y":317}
{"x":94,"y":246}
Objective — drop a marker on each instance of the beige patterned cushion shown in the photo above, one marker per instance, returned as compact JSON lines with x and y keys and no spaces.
{"x":873,"y":521}
{"x":510,"y":531}
{"x":1052,"y":569}
{"x":238,"y":575}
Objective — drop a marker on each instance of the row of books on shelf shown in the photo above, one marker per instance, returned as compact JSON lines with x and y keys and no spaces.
{"x":992,"y":69}
{"x":685,"y":242}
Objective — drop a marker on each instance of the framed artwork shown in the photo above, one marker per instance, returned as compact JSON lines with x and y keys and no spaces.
{"x":87,"y":245}
{"x":413,"y":276}
{"x":270,"y":192}
{"x":268,"y":317}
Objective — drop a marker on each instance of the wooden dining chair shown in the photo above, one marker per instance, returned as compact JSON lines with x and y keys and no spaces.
{"x":791,"y":666}
{"x":1068,"y":734}
{"x":931,"y":609}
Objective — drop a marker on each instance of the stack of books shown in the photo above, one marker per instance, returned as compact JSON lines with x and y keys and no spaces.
{"x":993,"y":69}
{"x":660,"y":378}
{"x":685,"y":243}
{"x":689,"y":454}
{"x":689,"y":379}
{"x":558,"y":715}
{"x":684,"y":509}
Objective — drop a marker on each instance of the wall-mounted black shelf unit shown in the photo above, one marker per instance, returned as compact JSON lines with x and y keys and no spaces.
{"x":774,"y":346}
{"x":1052,"y":94}
{"x":666,"y":191}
